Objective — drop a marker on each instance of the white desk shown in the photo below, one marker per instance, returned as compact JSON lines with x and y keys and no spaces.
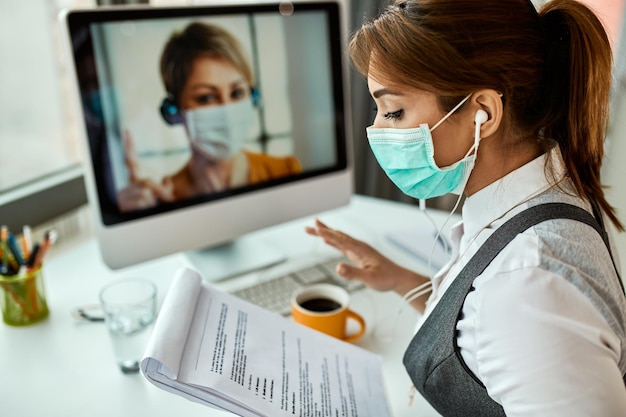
{"x":65,"y":368}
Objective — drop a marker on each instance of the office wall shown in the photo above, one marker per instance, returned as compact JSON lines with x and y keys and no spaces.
{"x":611,"y":13}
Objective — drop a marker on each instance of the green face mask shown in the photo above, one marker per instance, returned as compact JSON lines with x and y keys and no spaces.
{"x":407,"y":157}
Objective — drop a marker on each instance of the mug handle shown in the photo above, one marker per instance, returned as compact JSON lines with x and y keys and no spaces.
{"x":357,"y":317}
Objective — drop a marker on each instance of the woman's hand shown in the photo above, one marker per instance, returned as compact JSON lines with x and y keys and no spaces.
{"x":141,"y":193}
{"x":370,"y":266}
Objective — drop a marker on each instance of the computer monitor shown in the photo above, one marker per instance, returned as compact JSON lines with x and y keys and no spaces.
{"x":205,"y":123}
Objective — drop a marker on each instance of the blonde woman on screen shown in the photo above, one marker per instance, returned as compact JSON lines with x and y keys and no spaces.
{"x":209,"y":83}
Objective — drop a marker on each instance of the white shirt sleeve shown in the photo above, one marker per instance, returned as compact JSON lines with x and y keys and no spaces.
{"x":540,"y":347}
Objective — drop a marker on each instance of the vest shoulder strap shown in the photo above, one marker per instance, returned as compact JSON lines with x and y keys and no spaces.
{"x":433,"y":359}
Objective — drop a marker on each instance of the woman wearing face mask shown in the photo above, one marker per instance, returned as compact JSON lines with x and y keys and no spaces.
{"x":508,"y":105}
{"x":209,"y":84}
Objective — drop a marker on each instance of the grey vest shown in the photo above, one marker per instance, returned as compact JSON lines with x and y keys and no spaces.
{"x":433,"y":359}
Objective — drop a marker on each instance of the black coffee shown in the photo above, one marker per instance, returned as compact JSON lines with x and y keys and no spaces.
{"x":320,"y":305}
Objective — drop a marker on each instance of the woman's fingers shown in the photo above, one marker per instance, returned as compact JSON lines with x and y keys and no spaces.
{"x":367,"y":264}
{"x":334,"y":238}
{"x":130,"y":156}
{"x":144,"y":192}
{"x":349,"y":271}
{"x":314,"y":230}
{"x":165,"y":191}
{"x":135,"y":197}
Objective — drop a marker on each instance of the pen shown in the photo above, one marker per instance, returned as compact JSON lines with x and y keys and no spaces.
{"x":3,"y":248}
{"x":33,"y":255}
{"x":27,"y":242}
{"x":8,"y":260}
{"x":48,"y":240}
{"x":13,"y":247}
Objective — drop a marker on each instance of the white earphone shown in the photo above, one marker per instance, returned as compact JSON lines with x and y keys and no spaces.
{"x":481,"y":117}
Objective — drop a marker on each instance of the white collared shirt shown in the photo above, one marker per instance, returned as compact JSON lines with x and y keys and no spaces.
{"x":534,"y":339}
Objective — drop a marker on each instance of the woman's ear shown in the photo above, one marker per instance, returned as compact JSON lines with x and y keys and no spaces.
{"x":490,"y":102}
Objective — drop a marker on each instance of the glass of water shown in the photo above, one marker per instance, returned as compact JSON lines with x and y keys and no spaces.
{"x":129,"y":307}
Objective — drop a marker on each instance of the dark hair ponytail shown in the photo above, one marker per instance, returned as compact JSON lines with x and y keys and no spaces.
{"x":576,"y":90}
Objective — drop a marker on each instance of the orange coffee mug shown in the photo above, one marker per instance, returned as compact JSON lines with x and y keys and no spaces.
{"x":324,"y":307}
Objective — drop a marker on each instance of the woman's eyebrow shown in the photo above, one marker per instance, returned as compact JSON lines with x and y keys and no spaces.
{"x":199,"y":86}
{"x":238,"y":83}
{"x":385,"y":91}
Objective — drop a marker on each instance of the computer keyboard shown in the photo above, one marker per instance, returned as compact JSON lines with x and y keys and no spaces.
{"x":275,"y":293}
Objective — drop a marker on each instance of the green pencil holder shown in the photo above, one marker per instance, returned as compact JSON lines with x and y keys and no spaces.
{"x":23,"y":298}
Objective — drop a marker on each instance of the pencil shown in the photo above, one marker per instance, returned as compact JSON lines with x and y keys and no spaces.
{"x":48,"y":240}
{"x":27,"y":242}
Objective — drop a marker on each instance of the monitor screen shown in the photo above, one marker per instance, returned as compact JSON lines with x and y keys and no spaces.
{"x":203,"y":123}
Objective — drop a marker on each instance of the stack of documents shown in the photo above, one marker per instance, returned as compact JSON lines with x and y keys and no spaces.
{"x":214,"y":348}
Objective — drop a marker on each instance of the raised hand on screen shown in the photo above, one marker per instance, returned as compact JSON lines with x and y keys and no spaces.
{"x":141,"y":193}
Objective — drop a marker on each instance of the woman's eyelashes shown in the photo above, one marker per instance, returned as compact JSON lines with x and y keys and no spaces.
{"x":206,"y":99}
{"x":394,"y":115}
{"x":238,"y":94}
{"x":217,"y":97}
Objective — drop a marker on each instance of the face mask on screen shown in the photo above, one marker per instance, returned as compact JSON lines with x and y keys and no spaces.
{"x":220,"y":131}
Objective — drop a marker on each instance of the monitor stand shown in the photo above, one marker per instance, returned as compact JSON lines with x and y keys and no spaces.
{"x":244,"y":254}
